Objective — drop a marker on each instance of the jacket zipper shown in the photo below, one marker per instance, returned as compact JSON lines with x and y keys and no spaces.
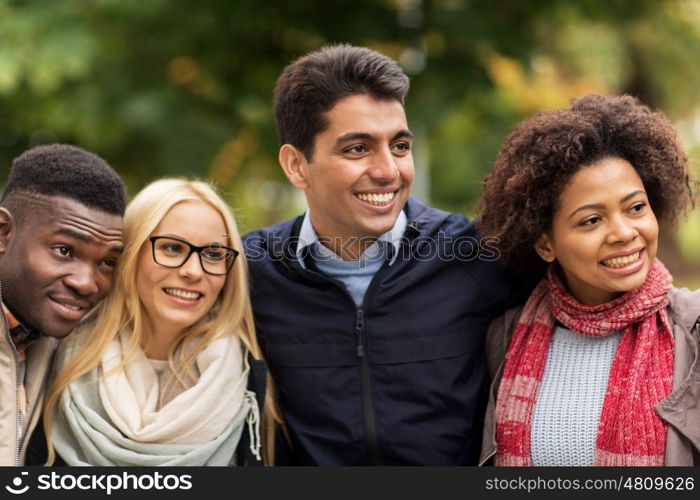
{"x":20,"y":430}
{"x":367,"y":400}
{"x":18,"y":416}
{"x":30,"y":415}
{"x":362,"y":351}
{"x":362,"y":347}
{"x":15,"y":357}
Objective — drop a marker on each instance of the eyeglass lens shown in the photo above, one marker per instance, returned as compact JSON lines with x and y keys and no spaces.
{"x":173,"y":253}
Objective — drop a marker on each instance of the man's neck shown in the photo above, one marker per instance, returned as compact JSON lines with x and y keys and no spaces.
{"x":350,"y":248}
{"x":343,"y":246}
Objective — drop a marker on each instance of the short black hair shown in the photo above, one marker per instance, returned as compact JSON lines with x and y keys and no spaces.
{"x":66,"y":171}
{"x":314,"y":83}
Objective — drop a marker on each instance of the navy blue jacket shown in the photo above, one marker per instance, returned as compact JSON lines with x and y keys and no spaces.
{"x":400,"y":380}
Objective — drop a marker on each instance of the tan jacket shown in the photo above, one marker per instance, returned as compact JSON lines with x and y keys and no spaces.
{"x":681,"y":409}
{"x":13,"y":447}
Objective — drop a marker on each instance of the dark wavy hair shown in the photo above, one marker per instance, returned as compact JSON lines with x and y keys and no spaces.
{"x":314,"y":83}
{"x":521,"y":193}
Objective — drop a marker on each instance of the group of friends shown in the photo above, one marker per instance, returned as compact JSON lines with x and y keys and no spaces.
{"x":371,"y":330}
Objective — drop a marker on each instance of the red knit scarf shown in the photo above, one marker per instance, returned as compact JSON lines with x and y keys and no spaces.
{"x":630,"y":432}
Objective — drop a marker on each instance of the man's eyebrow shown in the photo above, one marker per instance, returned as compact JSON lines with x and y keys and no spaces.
{"x":354,"y":136}
{"x":403,"y":134}
{"x":74,"y":234}
{"x":85,"y":238}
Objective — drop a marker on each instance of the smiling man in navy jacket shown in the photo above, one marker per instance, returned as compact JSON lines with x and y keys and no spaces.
{"x":371,"y":307}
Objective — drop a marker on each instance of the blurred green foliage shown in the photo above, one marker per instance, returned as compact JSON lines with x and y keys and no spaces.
{"x":182,"y":87}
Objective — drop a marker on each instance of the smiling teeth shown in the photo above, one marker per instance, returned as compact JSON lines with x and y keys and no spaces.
{"x":376,"y":199}
{"x":621,"y":261}
{"x":69,"y":306}
{"x":182,"y":294}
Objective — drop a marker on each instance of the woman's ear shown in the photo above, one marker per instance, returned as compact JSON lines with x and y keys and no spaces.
{"x":544,"y":248}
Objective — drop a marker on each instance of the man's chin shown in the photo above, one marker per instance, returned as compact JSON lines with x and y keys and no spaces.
{"x":58,"y":335}
{"x":58,"y":331}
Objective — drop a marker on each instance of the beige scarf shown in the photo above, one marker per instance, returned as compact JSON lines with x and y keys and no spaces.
{"x":132,"y":397}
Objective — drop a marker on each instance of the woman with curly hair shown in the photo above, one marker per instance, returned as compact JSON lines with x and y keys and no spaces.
{"x":161,"y":372}
{"x":600,"y":366}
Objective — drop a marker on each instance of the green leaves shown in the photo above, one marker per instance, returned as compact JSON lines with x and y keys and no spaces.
{"x":176,"y":87}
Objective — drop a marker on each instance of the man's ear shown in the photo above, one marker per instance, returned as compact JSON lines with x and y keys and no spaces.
{"x":544,"y":248}
{"x":7,"y":229}
{"x":294,"y":164}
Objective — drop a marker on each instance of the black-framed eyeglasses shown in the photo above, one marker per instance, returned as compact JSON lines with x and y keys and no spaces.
{"x":174,"y":252}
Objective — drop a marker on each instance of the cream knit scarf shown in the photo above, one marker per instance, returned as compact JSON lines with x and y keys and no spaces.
{"x":116,"y":414}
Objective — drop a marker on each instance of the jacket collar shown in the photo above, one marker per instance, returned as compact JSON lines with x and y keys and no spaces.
{"x":686,"y":305}
{"x":282,"y":239}
{"x":308,"y":237}
{"x":22,"y":336}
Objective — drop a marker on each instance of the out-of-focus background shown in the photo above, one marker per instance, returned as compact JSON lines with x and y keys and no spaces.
{"x":183,"y":88}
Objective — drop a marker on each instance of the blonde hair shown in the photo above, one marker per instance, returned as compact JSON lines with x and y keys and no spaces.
{"x":121,"y":311}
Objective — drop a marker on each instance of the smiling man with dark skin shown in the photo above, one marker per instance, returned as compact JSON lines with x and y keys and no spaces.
{"x":60,"y":237}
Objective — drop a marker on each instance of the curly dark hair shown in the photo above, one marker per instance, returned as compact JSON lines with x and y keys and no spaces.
{"x":521,"y":193}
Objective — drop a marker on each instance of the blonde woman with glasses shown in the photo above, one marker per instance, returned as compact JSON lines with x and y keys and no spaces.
{"x":160,"y":373}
